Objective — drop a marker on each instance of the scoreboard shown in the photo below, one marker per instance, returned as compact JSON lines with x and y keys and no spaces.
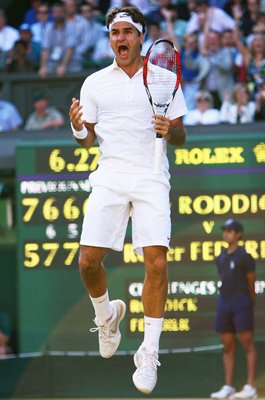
{"x":210,"y":183}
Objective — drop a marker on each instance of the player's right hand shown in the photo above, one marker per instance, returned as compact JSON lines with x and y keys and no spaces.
{"x":75,"y":114}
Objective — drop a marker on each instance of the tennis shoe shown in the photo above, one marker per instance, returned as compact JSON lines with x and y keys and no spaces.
{"x":145,"y":376}
{"x":109,"y":335}
{"x":248,"y":392}
{"x":226,"y":392}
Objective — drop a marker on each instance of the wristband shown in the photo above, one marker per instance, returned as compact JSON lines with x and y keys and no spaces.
{"x":79,"y":134}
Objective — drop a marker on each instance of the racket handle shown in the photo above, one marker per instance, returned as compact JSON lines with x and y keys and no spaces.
{"x":159,"y":145}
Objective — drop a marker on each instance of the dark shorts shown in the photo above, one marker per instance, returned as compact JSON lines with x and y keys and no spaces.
{"x":235,"y":314}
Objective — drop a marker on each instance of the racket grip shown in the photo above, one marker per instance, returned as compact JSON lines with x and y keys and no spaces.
{"x":158,"y":154}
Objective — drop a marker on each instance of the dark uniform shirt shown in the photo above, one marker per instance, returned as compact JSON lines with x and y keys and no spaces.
{"x":233,"y":269}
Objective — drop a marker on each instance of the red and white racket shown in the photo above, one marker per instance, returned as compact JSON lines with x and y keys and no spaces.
{"x":162,"y":76}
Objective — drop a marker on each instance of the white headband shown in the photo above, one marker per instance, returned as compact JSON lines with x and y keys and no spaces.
{"x":125,"y":17}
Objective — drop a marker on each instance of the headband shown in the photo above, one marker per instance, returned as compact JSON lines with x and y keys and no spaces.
{"x":125,"y":17}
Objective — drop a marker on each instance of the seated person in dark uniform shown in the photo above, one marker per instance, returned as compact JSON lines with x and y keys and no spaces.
{"x":235,"y":310}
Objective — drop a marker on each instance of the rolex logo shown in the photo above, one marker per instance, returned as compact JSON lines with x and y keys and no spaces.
{"x":259,"y":151}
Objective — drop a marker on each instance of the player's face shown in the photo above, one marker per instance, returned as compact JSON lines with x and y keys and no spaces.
{"x":231,"y":236}
{"x":125,"y":41}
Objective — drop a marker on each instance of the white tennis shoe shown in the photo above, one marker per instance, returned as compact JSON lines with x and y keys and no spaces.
{"x":145,"y":376}
{"x":109,"y":335}
{"x":226,"y":392}
{"x":248,"y":392}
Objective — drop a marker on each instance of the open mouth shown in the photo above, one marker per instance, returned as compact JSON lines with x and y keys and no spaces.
{"x":123,"y":50}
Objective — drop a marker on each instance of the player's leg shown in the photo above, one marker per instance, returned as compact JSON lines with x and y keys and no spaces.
{"x":154,"y":298}
{"x":151,"y":234}
{"x":104,"y":227}
{"x":155,"y":281}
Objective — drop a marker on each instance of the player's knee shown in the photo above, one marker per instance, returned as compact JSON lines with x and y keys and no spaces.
{"x":156,"y":269}
{"x":89,"y":262}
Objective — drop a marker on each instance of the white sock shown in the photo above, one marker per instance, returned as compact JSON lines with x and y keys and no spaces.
{"x":152,"y":332}
{"x":102,"y":307}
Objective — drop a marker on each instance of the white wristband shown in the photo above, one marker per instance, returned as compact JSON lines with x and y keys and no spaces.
{"x":79,"y":134}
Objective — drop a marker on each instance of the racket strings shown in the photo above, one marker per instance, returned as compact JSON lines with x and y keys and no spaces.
{"x":162,"y":73}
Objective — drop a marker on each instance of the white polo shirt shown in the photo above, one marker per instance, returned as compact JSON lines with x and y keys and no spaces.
{"x":121,"y":110}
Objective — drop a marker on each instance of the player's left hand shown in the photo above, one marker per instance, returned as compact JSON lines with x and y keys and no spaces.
{"x":161,"y":124}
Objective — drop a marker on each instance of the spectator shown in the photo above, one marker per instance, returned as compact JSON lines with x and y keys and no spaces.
{"x":254,"y":58}
{"x":179,"y":26}
{"x":5,"y":332}
{"x":250,"y":16}
{"x":19,"y":61}
{"x":156,"y":16}
{"x":44,"y":117}
{"x":94,"y":29}
{"x":8,"y":36}
{"x":260,"y":101}
{"x":235,"y":311}
{"x":240,"y":110}
{"x":34,"y":48}
{"x":38,"y":29}
{"x":10,"y":119}
{"x":103,"y":54}
{"x":215,"y":18}
{"x":31,"y":15}
{"x":154,"y":33}
{"x":235,"y":8}
{"x":228,"y":41}
{"x":194,"y":69}
{"x":78,"y":27}
{"x":143,"y":5}
{"x":58,"y":45}
{"x":203,"y":114}
{"x":217,"y":3}
{"x":220,"y":73}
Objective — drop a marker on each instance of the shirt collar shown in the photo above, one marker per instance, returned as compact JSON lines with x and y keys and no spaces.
{"x":116,"y":66}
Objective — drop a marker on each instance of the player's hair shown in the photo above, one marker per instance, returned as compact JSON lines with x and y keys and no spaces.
{"x":134,"y":12}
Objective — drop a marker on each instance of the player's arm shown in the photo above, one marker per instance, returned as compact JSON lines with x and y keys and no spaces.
{"x":83,"y":131}
{"x":172,"y":130}
{"x":251,"y":277}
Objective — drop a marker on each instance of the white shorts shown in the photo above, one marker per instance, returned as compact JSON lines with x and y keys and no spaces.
{"x":114,"y":197}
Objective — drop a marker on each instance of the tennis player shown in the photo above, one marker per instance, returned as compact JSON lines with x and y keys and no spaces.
{"x":114,"y":108}
{"x":235,"y":310}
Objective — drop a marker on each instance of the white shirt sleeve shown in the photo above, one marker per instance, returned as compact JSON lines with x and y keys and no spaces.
{"x":221,"y":20}
{"x":192,"y":118}
{"x":90,"y":112}
{"x":178,"y":107}
{"x":193,"y":25}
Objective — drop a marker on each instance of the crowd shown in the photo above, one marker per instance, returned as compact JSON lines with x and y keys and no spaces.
{"x":222,"y":46}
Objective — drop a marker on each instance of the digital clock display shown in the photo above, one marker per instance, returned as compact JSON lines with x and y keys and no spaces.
{"x":210,"y":183}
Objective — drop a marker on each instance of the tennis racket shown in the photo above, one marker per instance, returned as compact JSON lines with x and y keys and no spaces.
{"x":161,"y":76}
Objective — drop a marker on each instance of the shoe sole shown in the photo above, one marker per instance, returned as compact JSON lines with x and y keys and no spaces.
{"x":122,"y":309}
{"x":143,"y":390}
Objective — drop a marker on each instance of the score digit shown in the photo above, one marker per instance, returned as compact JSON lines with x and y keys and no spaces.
{"x":31,"y":203}
{"x":56,"y":162}
{"x":50,"y":212}
{"x":70,"y":211}
{"x":32,"y":258}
